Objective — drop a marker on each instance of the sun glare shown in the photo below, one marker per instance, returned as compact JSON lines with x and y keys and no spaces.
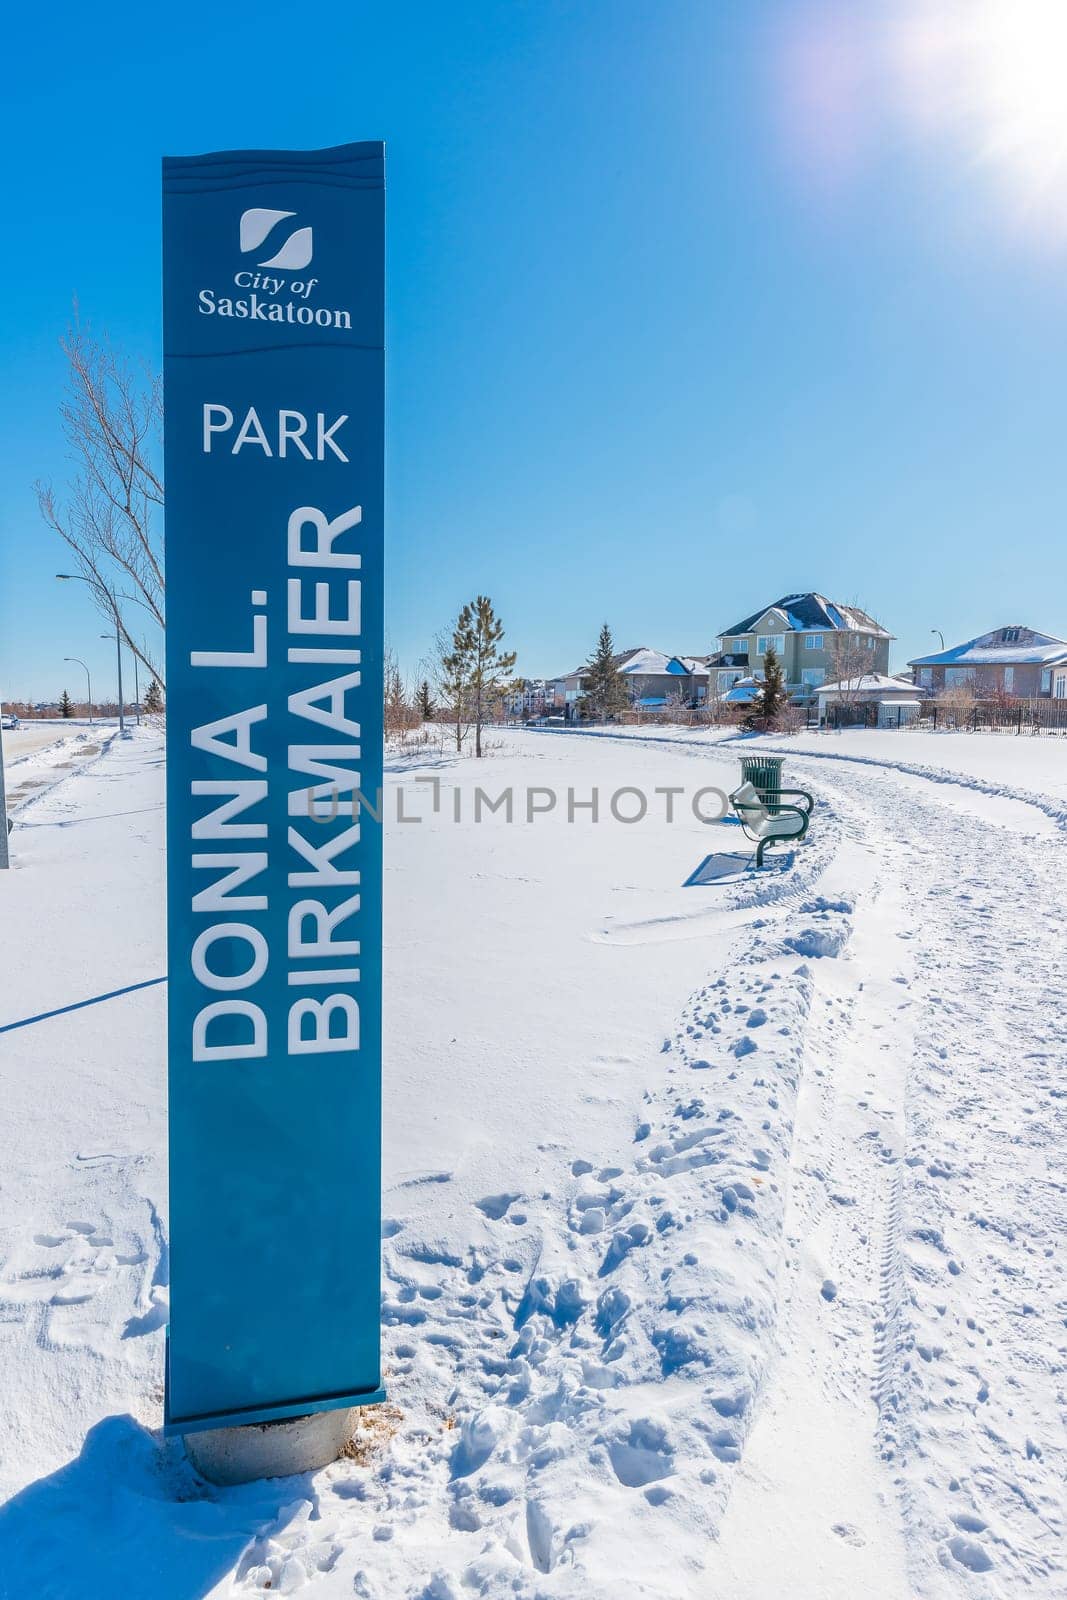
{"x":993,"y":74}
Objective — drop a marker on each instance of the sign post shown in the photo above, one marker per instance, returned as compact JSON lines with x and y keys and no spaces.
{"x":273,"y":380}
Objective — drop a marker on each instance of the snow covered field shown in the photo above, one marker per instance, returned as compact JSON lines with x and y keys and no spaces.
{"x":722,"y":1251}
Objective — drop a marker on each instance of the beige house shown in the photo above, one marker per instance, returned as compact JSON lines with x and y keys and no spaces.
{"x":815,"y":639}
{"x":1012,"y":660}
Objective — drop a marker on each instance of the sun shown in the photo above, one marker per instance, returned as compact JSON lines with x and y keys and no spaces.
{"x":993,"y":74}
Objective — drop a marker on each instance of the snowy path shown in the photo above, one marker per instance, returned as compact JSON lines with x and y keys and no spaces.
{"x":722,"y":1223}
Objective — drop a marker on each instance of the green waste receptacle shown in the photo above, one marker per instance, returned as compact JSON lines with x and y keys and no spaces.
{"x":765,"y":774}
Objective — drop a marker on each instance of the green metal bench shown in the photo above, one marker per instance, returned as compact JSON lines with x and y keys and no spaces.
{"x":764,"y":828}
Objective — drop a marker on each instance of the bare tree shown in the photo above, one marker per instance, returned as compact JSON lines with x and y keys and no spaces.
{"x":394,"y":696}
{"x":849,"y":660}
{"x":111,"y":520}
{"x":956,"y":702}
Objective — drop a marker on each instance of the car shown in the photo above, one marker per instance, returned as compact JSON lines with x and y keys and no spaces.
{"x":9,"y":720}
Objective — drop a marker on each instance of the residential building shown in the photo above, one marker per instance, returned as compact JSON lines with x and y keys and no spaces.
{"x":530,"y":697}
{"x":726,"y":668}
{"x":653,"y":680}
{"x":1011,"y":660}
{"x":815,"y":639}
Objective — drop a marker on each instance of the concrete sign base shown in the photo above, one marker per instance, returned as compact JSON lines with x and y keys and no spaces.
{"x":271,"y":1449}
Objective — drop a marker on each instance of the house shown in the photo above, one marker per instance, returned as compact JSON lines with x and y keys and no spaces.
{"x":813,"y":638}
{"x":653,"y":679}
{"x":1012,"y":660}
{"x":872,"y":697}
{"x":530,"y":697}
{"x":724,"y":670}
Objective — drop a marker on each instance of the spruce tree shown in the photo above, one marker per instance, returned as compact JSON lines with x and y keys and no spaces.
{"x":65,"y":707}
{"x":454,"y":662}
{"x":773,"y":696}
{"x":427,"y":709}
{"x":490,"y":667}
{"x":606,"y":692}
{"x":153,"y":700}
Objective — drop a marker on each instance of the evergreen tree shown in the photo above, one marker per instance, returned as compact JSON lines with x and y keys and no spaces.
{"x":454,"y":653}
{"x":427,"y":709}
{"x":153,"y":700}
{"x":772,"y":697}
{"x":605,"y":691}
{"x":490,"y":667}
{"x":65,"y":707}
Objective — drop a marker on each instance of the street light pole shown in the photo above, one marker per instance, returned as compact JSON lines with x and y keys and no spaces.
{"x":88,"y":682}
{"x":74,"y":577}
{"x":941,"y":636}
{"x":136,"y":682}
{"x":5,"y":858}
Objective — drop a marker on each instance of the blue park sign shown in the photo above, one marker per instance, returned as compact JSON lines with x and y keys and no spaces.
{"x":273,"y":380}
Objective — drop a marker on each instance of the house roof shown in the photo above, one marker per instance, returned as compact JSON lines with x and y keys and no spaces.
{"x":813,"y":613}
{"x":646,"y":662}
{"x":872,"y":683}
{"x":992,"y":650}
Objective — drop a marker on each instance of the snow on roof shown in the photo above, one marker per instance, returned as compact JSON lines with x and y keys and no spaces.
{"x":868,"y":683}
{"x":744,"y":690}
{"x":813,"y":613}
{"x":646,"y":662}
{"x":993,"y":649}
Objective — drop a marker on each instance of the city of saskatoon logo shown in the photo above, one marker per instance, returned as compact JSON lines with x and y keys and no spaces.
{"x":256,"y":227}
{"x":264,"y":294}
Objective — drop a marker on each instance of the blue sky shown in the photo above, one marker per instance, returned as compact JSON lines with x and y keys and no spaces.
{"x":684,"y":311}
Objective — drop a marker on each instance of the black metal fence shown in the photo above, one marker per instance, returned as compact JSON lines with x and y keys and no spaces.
{"x":1000,"y":716}
{"x":996,"y":716}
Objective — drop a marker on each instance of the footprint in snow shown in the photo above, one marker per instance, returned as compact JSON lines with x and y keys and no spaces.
{"x":495,"y":1206}
{"x":850,"y":1534}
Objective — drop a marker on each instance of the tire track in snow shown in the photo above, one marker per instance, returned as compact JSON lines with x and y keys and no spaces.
{"x":967,"y":1341}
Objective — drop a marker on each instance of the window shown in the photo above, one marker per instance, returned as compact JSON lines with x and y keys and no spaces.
{"x":870,"y":642}
{"x":1059,"y":691}
{"x":813,"y":676}
{"x":770,"y":641}
{"x":812,"y":641}
{"x":926,"y":677}
{"x":728,"y":679}
{"x":1046,"y":681}
{"x":1009,"y":635}
{"x":958,"y":675}
{"x":1009,"y":680}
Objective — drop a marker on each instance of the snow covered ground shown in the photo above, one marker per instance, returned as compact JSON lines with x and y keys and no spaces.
{"x":37,"y":753}
{"x":722,"y":1250}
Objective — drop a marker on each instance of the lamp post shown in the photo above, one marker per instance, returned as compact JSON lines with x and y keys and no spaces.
{"x":5,"y":858}
{"x":74,"y":577}
{"x":136,"y":683}
{"x":941,"y":636}
{"x":88,"y":681}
